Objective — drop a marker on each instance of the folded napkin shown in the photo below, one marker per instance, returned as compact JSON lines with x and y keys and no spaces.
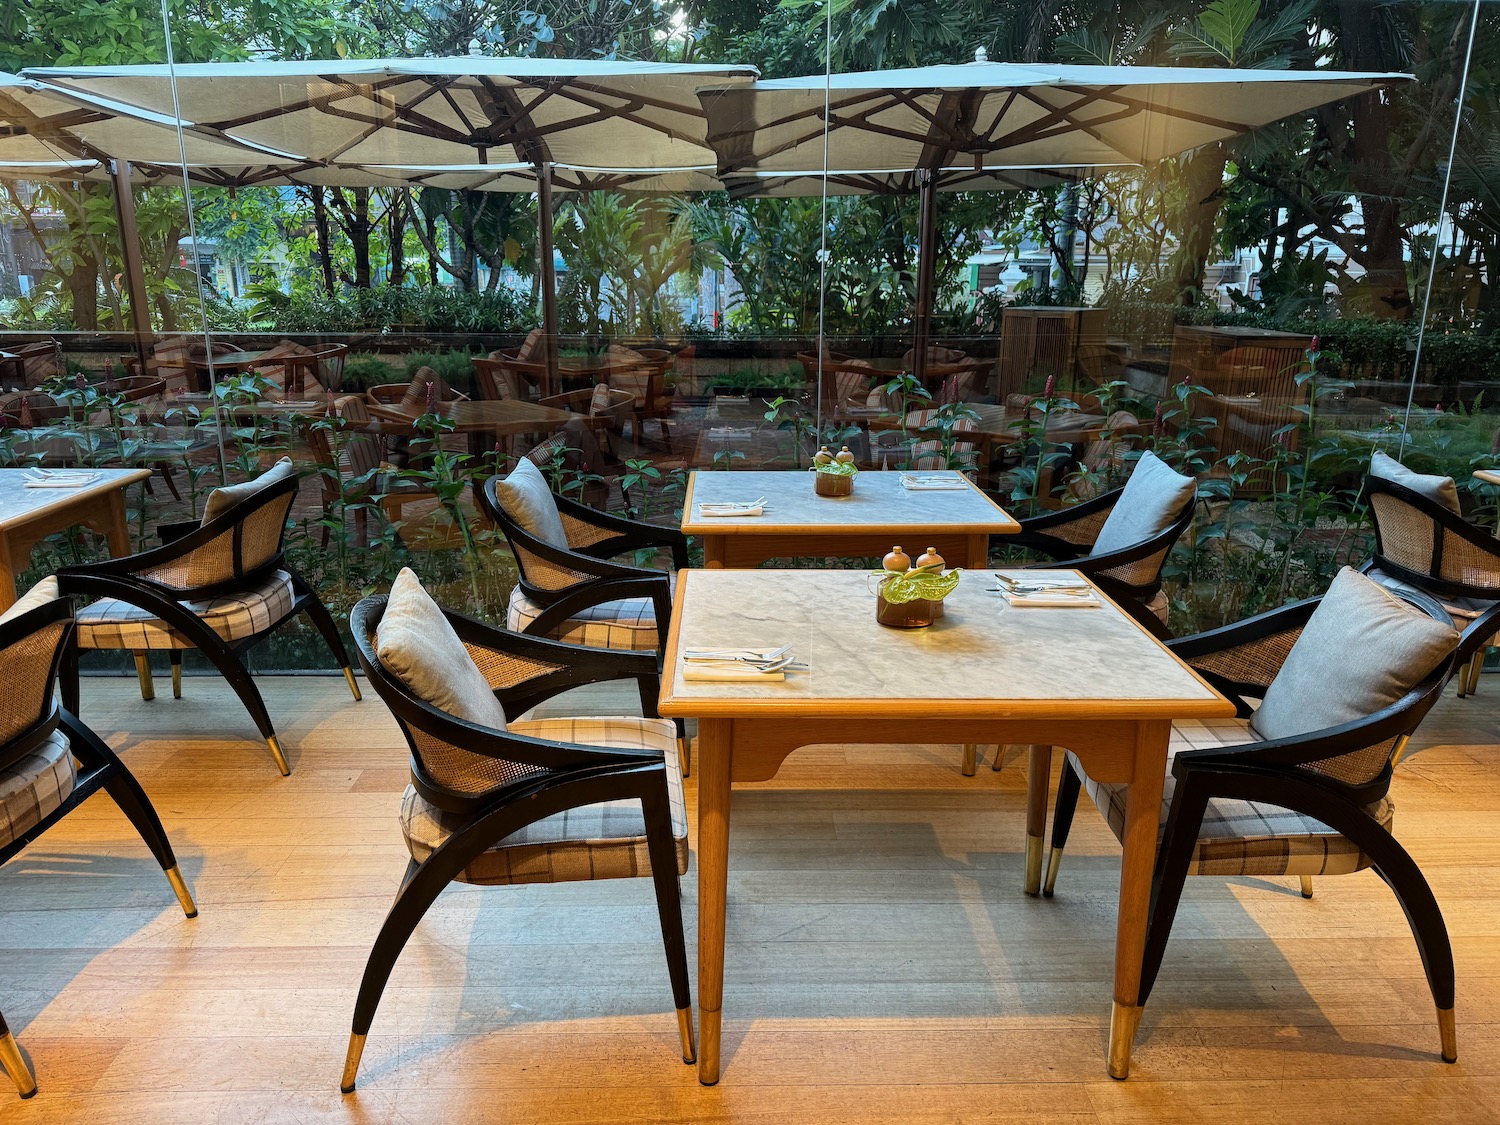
{"x":731,"y":510}
{"x":704,"y":672}
{"x":1054,"y":599}
{"x":1032,"y":579}
{"x":63,"y":480}
{"x":932,"y":484}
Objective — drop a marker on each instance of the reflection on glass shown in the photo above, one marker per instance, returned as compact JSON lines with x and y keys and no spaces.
{"x":468,"y":240}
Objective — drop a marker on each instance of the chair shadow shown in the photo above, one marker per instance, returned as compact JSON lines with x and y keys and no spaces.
{"x":113,"y":898}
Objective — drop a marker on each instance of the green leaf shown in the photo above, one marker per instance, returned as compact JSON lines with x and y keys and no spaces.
{"x":1227,"y":21}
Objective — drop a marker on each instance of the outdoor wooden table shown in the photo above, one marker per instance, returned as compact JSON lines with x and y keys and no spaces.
{"x":29,"y":515}
{"x":996,"y":427}
{"x":1088,"y":679}
{"x":229,"y":363}
{"x":483,"y":417}
{"x":880,"y":514}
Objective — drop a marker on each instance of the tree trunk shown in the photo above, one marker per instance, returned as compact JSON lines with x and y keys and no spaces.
{"x":1203,"y":180}
{"x":395,"y":215}
{"x":82,"y":284}
{"x":320,"y":229}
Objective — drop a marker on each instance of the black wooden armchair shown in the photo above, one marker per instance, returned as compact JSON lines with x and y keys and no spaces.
{"x":1314,"y":804}
{"x":220,"y":587}
{"x":578,"y":593}
{"x":547,"y":800}
{"x":50,"y":763}
{"x":1421,"y":545}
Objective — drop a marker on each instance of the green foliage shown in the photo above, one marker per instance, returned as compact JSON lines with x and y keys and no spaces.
{"x":385,"y":309}
{"x":364,"y":371}
{"x":455,"y":367}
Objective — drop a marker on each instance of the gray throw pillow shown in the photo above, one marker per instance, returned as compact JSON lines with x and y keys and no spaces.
{"x":220,"y":500}
{"x":416,"y":643}
{"x":1153,"y":498}
{"x":1361,"y":650}
{"x":1442,"y":490}
{"x":39,"y":595}
{"x":526,"y":499}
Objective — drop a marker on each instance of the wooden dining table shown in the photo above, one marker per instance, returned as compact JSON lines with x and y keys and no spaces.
{"x":879,"y":514}
{"x":29,"y":515}
{"x":482,"y":418}
{"x":1090,"y":679}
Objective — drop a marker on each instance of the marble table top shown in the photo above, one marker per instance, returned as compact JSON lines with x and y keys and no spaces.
{"x":19,"y":503}
{"x":981,"y":659}
{"x":878,"y":503}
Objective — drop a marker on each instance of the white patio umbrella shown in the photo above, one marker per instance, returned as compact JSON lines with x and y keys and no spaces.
{"x":46,"y":133}
{"x":438,"y":114}
{"x":995,"y":116}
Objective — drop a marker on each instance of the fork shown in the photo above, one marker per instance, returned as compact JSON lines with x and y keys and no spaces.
{"x":743,"y":655}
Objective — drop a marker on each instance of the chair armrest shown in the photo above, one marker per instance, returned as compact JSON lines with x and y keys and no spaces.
{"x":1068,"y":532}
{"x":172,"y":532}
{"x":558,"y":667}
{"x":568,"y":399}
{"x":1243,"y":658}
{"x":624,"y":534}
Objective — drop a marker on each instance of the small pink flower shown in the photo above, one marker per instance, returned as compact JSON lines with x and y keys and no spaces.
{"x":1284,"y":439}
{"x":432,"y":400}
{"x":26,"y":419}
{"x":1159,"y":427}
{"x":1051,"y":388}
{"x":1438,"y":408}
{"x":1316,"y":346}
{"x":80,"y":382}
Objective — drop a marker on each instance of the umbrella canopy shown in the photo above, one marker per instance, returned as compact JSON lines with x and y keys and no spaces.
{"x":1003,"y":115}
{"x":789,"y":185}
{"x":42,"y":128}
{"x":433,"y":112}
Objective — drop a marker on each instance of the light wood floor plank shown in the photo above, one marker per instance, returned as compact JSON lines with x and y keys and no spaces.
{"x":884,"y":965}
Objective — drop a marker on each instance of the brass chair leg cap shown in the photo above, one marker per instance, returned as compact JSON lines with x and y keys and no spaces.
{"x":685,"y":1031}
{"x":286,"y":770}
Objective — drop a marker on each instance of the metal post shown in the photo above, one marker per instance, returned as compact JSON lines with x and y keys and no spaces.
{"x":549,"y":279}
{"x":926,"y":271}
{"x":130,"y":248}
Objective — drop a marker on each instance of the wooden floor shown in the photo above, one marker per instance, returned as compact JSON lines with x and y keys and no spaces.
{"x":883,"y":962}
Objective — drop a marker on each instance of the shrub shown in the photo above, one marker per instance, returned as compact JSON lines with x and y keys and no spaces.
{"x":376,"y":310}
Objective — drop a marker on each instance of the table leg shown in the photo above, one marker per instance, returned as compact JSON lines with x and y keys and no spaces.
{"x":978,"y":552}
{"x":9,"y":570}
{"x":715,"y":759}
{"x":713,"y":552}
{"x":1038,"y":780}
{"x":117,"y":530}
{"x":1142,"y":820}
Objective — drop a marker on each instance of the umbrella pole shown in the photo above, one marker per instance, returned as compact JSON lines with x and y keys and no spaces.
{"x":926,"y":268}
{"x":130,"y":247}
{"x":549,"y":278}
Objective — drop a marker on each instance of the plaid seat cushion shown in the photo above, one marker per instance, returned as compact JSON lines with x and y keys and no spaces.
{"x":605,"y":841}
{"x":629,"y":623}
{"x":113,"y":623}
{"x":1244,"y":837}
{"x":34,"y":786}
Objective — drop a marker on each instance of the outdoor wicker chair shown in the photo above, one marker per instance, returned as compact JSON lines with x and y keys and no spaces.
{"x":1300,"y":785}
{"x":221,"y":586}
{"x":1423,"y":543}
{"x":322,"y":370}
{"x":643,"y":372}
{"x":348,"y":451}
{"x":495,"y":801}
{"x":569,"y":587}
{"x":50,"y":763}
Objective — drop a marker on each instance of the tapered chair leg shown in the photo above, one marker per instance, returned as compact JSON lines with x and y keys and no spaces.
{"x":1179,"y":845}
{"x":15,"y":1063}
{"x":320,"y":617}
{"x":971,"y":759}
{"x":143,"y":673}
{"x":1038,"y":778}
{"x":1063,"y":808}
{"x":1307,"y":888}
{"x":175,"y":655}
{"x":999,"y":761}
{"x":663,"y":850}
